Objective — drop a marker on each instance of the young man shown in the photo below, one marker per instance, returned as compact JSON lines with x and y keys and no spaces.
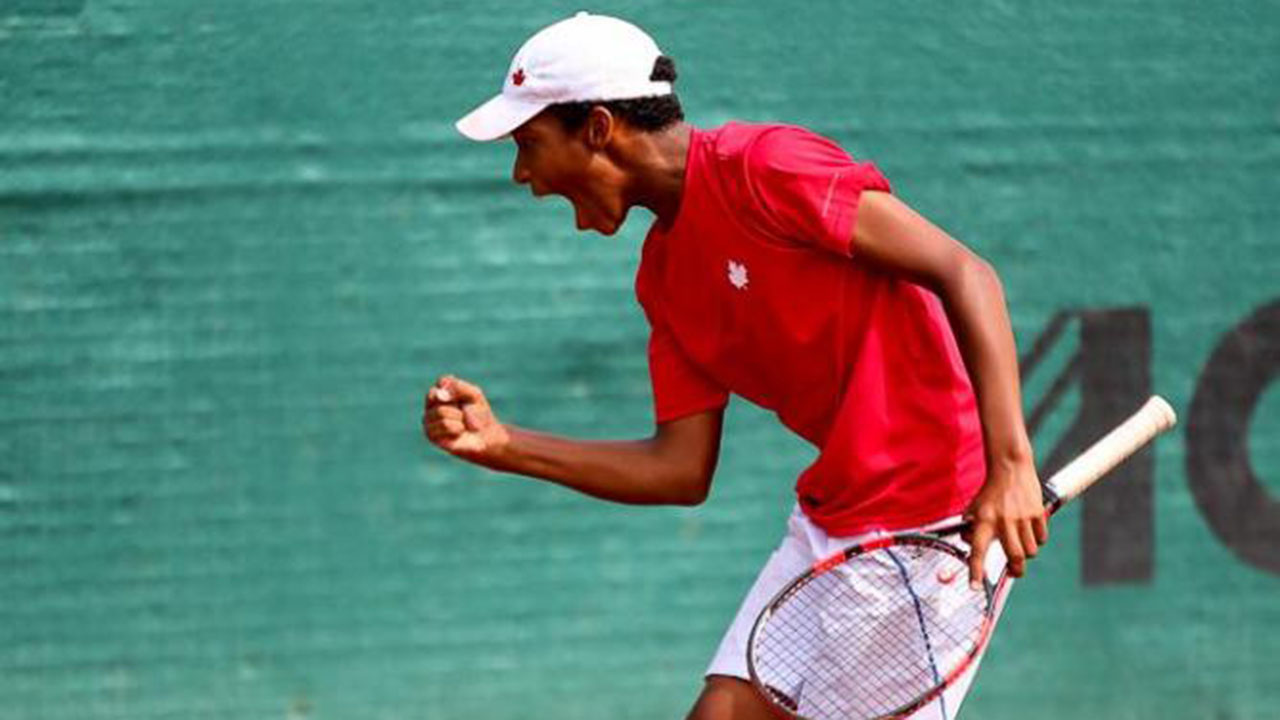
{"x":779,"y":269}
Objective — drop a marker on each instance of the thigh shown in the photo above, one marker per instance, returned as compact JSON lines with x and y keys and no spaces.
{"x":792,"y":557}
{"x":729,"y":698}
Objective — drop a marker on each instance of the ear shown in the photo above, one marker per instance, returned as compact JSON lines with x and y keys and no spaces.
{"x":600,"y":127}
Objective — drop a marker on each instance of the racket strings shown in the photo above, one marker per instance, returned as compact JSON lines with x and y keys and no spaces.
{"x":873,"y":635}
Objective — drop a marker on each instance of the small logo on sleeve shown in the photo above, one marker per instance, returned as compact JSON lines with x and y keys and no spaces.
{"x":738,"y":275}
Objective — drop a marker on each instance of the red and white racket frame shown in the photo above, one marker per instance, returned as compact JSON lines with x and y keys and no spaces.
{"x":1153,"y":418}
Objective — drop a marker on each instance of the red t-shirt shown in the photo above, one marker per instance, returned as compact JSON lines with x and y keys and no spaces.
{"x":754,"y":290}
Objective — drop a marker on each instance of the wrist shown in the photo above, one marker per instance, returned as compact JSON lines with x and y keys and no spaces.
{"x":1011,"y":454}
{"x":502,"y":453}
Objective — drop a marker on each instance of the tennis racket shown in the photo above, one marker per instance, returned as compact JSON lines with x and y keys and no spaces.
{"x":881,"y":628}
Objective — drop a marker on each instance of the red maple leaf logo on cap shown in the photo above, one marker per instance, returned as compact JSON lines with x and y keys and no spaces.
{"x":517,"y":77}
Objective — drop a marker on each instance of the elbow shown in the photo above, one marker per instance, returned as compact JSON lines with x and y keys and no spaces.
{"x":684,"y":454}
{"x":691,"y":490}
{"x":970,"y":274}
{"x":983,"y":270}
{"x":691,"y":500}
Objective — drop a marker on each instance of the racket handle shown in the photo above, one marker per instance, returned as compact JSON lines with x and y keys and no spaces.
{"x":1153,"y":418}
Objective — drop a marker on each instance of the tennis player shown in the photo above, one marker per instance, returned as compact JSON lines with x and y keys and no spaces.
{"x":779,"y":269}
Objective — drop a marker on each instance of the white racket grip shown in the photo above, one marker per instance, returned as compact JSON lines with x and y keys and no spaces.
{"x":1153,"y":418}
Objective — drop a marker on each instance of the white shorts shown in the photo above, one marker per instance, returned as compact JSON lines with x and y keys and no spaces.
{"x":802,"y":546}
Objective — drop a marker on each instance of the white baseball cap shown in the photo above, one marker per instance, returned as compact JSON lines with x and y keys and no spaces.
{"x":584,"y":58}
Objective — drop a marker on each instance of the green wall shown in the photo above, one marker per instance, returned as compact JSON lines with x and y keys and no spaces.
{"x":238,"y":240}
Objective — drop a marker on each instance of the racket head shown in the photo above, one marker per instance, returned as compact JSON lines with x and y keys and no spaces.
{"x":876,"y":631}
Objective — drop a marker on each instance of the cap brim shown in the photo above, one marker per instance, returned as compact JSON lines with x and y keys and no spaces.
{"x":497,"y":118}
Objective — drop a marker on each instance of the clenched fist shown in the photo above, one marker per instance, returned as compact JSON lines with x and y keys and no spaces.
{"x":457,"y":418}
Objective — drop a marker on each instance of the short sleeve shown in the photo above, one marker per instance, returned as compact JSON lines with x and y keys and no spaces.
{"x":807,"y":187}
{"x":679,"y":387}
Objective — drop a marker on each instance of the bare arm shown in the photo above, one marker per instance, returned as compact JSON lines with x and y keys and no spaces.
{"x":673,"y":467}
{"x":895,"y":237}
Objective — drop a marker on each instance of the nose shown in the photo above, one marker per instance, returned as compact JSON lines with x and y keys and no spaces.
{"x":520,"y":173}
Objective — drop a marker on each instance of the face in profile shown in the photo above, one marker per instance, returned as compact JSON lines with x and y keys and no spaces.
{"x":575,"y":165}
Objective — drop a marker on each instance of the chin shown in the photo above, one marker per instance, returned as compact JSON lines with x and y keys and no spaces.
{"x":591,"y":216}
{"x":615,"y":225}
{"x":601,"y":225}
{"x":607,"y":230}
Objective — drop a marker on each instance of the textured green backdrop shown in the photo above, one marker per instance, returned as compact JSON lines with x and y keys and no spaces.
{"x":238,"y":239}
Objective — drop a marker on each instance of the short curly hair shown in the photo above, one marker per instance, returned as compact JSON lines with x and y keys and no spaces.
{"x":649,"y":114}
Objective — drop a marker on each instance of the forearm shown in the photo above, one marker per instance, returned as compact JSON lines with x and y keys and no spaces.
{"x":1009,"y":504}
{"x":639,"y":472}
{"x":979,"y":316}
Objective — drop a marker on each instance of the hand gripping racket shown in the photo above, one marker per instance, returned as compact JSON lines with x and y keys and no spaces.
{"x":881,"y":628}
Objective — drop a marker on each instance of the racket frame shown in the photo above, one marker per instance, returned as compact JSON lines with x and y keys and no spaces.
{"x":934,"y":540}
{"x":1153,"y":418}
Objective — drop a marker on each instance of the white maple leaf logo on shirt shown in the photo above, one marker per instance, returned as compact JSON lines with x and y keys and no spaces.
{"x":738,"y":275}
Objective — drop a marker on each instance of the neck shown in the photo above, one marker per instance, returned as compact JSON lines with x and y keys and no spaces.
{"x":657,"y":174}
